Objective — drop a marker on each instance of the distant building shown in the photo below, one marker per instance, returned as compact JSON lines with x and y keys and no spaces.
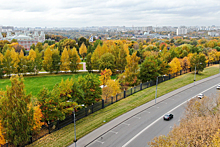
{"x":181,"y":31}
{"x":25,"y":39}
{"x":213,"y":34}
{"x":7,"y":28}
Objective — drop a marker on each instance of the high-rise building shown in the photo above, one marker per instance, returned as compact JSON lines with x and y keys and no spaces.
{"x":181,"y":31}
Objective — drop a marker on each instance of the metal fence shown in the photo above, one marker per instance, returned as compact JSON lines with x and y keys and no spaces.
{"x":79,"y":114}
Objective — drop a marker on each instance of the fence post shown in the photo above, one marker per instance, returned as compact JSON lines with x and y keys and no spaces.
{"x":49,"y":126}
{"x":58,"y":121}
{"x":169,"y":76}
{"x":111,"y":99}
{"x":116,"y":97}
{"x":131,"y":90}
{"x":124,"y":93}
{"x":180,"y":72}
{"x":134,"y":89}
{"x":31,"y":140}
{"x":103,"y":106}
{"x":86,"y":112}
{"x":141,"y":86}
{"x":92,"y":107}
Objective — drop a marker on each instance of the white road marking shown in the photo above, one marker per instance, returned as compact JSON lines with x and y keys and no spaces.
{"x":126,"y":124}
{"x":99,"y":141}
{"x":161,"y":117}
{"x":155,"y":106}
{"x":137,"y":117}
{"x":113,"y":132}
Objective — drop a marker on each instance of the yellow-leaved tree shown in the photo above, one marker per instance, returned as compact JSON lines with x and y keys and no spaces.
{"x":83,"y":50}
{"x":111,"y":89}
{"x":2,"y":139}
{"x":65,"y":61}
{"x":15,"y":61}
{"x":37,"y":123}
{"x":175,"y":65}
{"x":48,"y":60}
{"x":105,"y":76}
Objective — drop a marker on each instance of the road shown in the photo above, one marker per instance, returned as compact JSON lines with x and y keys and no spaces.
{"x":140,"y":129}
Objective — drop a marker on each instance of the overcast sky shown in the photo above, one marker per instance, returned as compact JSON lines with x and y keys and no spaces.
{"x":82,"y":13}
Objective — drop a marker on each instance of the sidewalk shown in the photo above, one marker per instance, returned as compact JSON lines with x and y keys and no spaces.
{"x":87,"y":139}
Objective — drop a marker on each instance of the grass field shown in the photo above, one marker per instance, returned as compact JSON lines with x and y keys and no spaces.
{"x":65,"y":136}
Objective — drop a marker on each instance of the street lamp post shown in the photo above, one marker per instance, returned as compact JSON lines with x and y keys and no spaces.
{"x":195,"y":75}
{"x":75,"y":122}
{"x":156,"y":90}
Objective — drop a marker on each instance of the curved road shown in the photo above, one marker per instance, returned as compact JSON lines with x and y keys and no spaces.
{"x":139,"y":129}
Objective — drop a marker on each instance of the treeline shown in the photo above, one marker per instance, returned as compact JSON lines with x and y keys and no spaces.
{"x":199,"y":127}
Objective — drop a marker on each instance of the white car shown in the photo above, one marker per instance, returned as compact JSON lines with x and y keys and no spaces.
{"x":200,"y":96}
{"x":218,"y":87}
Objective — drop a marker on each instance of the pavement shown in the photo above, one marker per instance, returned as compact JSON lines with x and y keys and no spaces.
{"x":89,"y":138}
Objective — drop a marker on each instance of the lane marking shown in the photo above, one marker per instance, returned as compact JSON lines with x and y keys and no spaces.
{"x":162,"y":117}
{"x":137,"y":117}
{"x":99,"y":141}
{"x":155,"y":107}
{"x":113,"y":132}
{"x":126,"y":124}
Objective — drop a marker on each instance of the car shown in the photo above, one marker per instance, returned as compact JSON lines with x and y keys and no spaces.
{"x":218,"y":87}
{"x":168,"y":116}
{"x":200,"y":96}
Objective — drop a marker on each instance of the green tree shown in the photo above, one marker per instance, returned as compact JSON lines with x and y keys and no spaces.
{"x":33,"y":46}
{"x":198,"y":61}
{"x":90,"y":86}
{"x":38,"y":61}
{"x":74,"y":60}
{"x":39,"y":46}
{"x":89,"y":62}
{"x":150,"y":69}
{"x":95,"y":60}
{"x":121,"y":61}
{"x":16,"y":116}
{"x":107,"y":61}
{"x":22,"y":64}
{"x":1,"y":66}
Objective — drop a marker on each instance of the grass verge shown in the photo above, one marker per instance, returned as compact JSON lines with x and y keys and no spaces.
{"x":65,"y":136}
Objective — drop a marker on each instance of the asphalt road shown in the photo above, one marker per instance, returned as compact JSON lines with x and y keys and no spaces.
{"x":143,"y":127}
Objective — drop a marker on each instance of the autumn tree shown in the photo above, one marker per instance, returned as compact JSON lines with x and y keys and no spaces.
{"x":111,"y":89}
{"x":74,"y":60}
{"x":31,"y":61}
{"x":90,"y":86}
{"x":150,"y":69}
{"x":105,"y":76}
{"x":22,"y":64}
{"x":7,"y":62}
{"x":83,"y":50}
{"x":131,"y":70}
{"x":39,"y":46}
{"x":198,"y":61}
{"x":1,"y":66}
{"x":175,"y":65}
{"x":16,"y":121}
{"x":37,"y":123}
{"x":95,"y":60}
{"x":185,"y":63}
{"x":121,"y":61}
{"x":56,"y":60}
{"x":89,"y":62}
{"x":65,"y":62}
{"x":48,"y":60}
{"x":38,"y":61}
{"x":107,"y":61}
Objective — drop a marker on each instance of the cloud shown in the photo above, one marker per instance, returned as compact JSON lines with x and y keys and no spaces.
{"x":78,"y":13}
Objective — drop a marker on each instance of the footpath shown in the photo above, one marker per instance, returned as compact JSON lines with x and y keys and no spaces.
{"x":89,"y":138}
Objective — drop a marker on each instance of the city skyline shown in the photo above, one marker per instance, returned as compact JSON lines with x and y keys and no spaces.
{"x":74,"y":13}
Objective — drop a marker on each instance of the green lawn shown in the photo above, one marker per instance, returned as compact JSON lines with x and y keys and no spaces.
{"x":33,"y":84}
{"x":65,"y":136}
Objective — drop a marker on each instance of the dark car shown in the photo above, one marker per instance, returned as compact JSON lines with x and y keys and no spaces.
{"x":218,"y":87}
{"x":168,"y":116}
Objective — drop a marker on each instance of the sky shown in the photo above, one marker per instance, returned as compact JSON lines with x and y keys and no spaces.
{"x":87,"y":13}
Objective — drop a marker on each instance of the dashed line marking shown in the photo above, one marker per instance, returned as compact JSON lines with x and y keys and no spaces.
{"x":99,"y":141}
{"x":113,"y":132}
{"x":126,"y":124}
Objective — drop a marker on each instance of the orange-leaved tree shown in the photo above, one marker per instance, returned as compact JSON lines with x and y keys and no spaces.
{"x":83,"y":50}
